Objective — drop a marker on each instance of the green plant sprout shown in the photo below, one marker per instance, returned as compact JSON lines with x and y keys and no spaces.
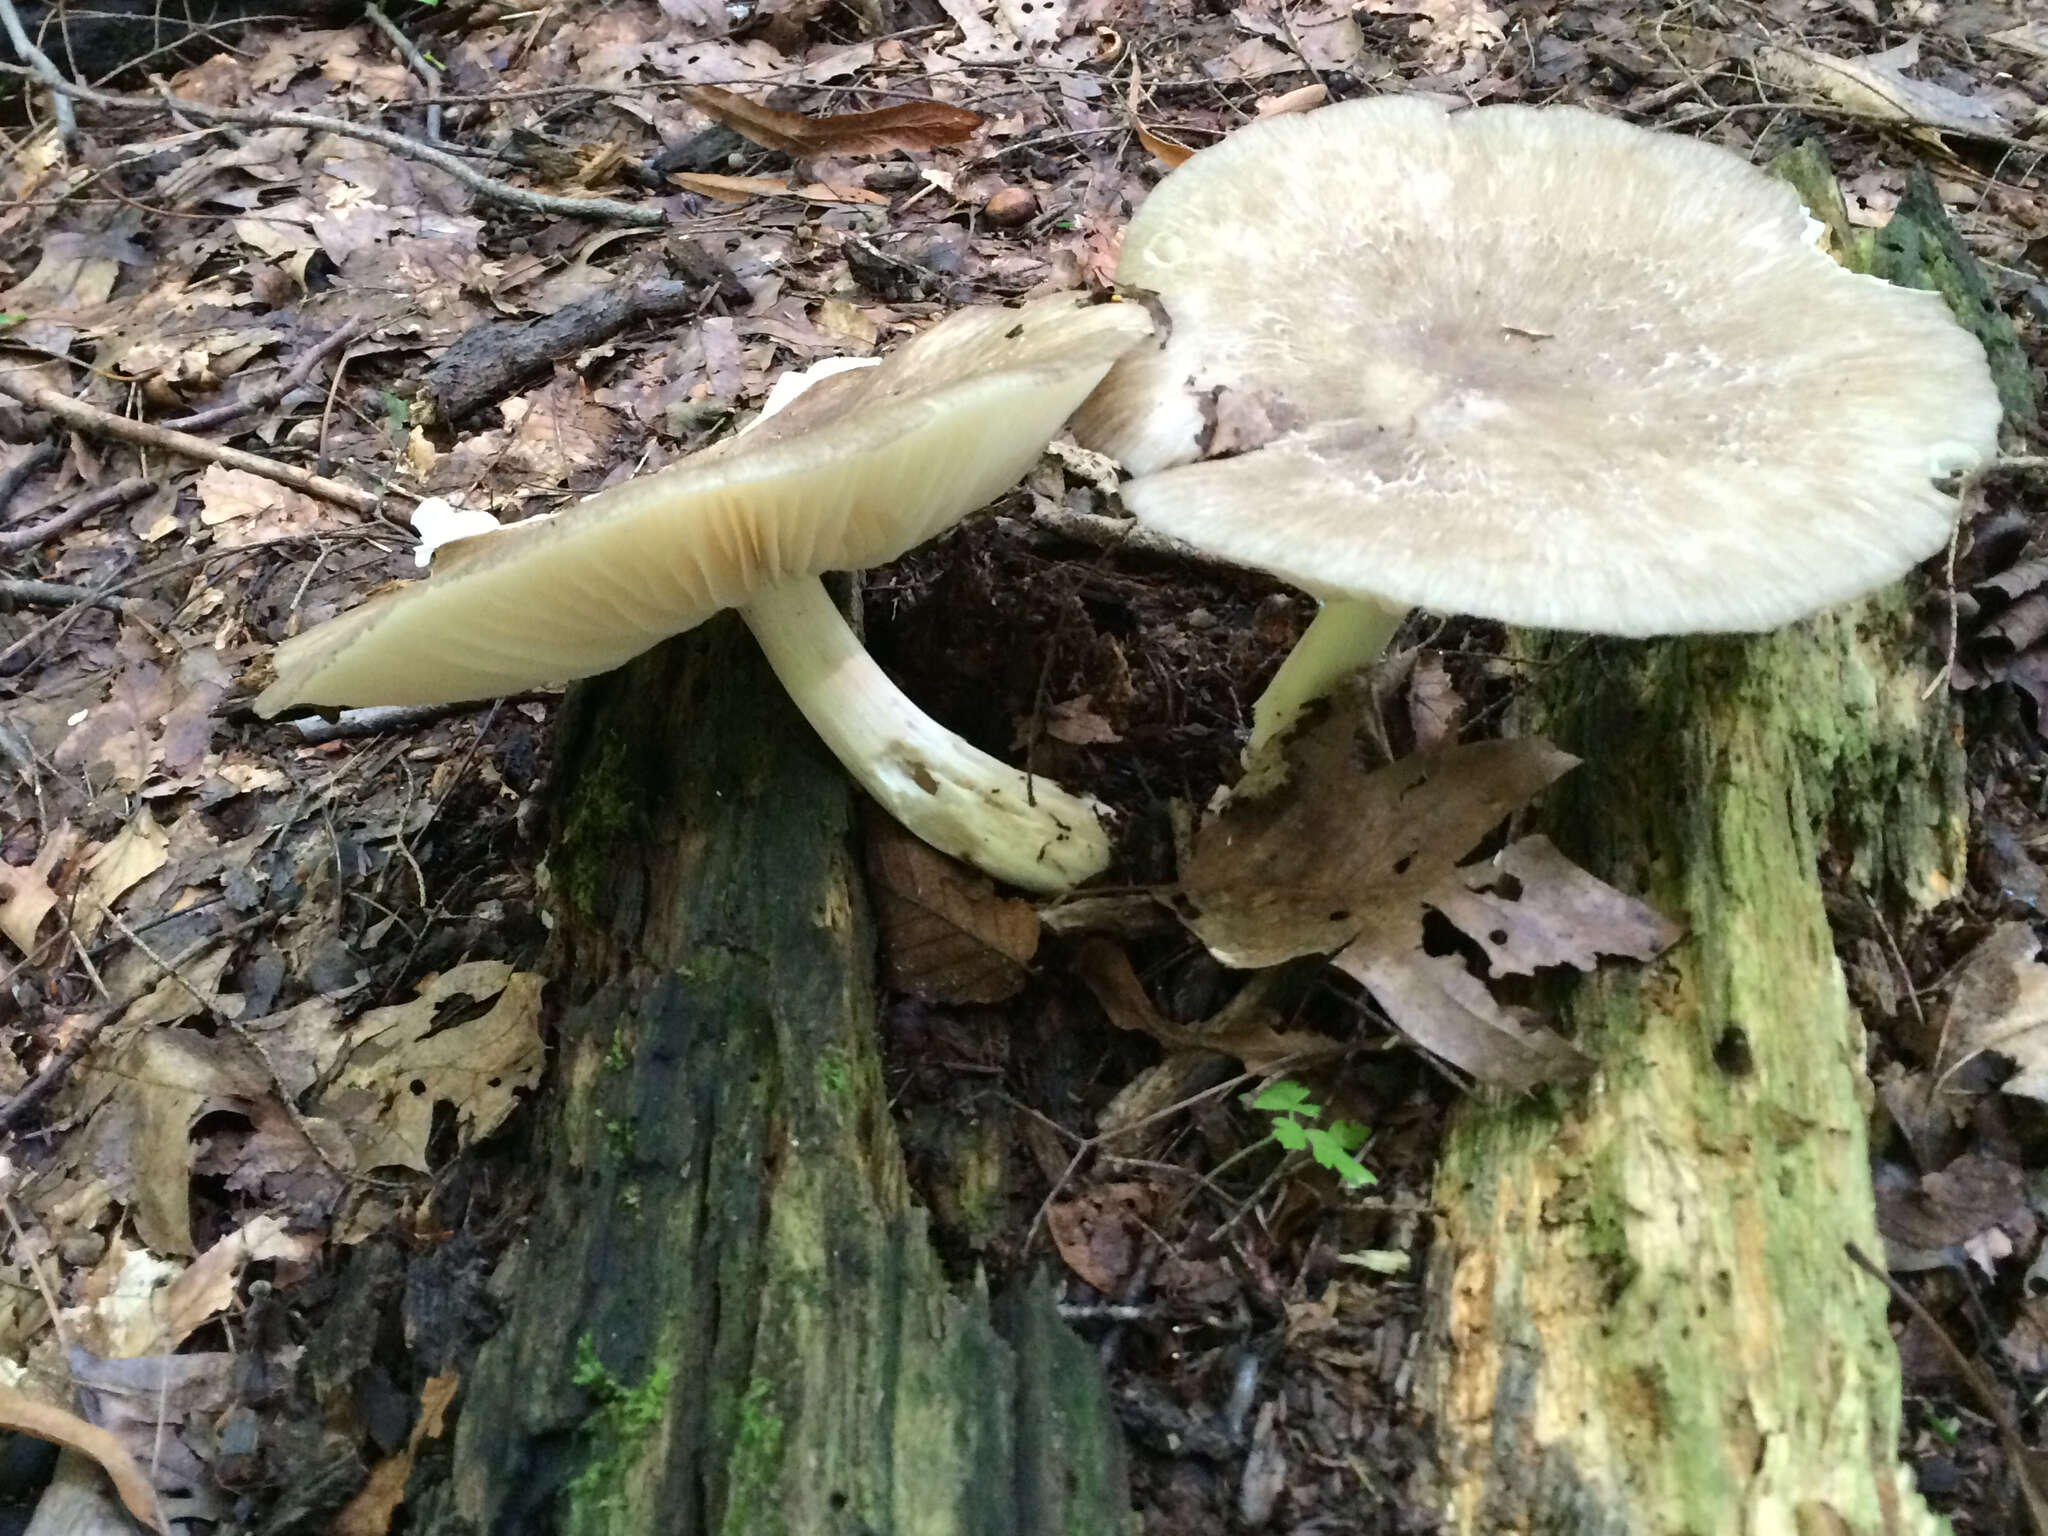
{"x":1331,"y":1146}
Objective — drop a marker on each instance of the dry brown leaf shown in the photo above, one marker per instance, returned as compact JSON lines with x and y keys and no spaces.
{"x":1435,"y":710}
{"x":911,"y":125}
{"x":1164,"y":150}
{"x":1445,"y":1009}
{"x":1077,"y":724}
{"x":1304,"y":871}
{"x":402,"y":1061}
{"x":1557,"y":914}
{"x":729,"y":189}
{"x":947,"y":936}
{"x":1877,"y":86}
{"x":208,"y":1287}
{"x":47,"y":1422}
{"x":369,"y":1512}
{"x":134,"y":853}
{"x":26,"y":898}
{"x":2000,"y":1003}
{"x":1104,"y":968}
{"x":1101,"y":1234}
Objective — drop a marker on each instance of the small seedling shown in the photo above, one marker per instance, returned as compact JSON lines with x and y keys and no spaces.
{"x":1288,"y":1103}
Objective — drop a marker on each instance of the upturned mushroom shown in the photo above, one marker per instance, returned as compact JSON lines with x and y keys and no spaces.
{"x":853,"y":473}
{"x":1527,"y":364}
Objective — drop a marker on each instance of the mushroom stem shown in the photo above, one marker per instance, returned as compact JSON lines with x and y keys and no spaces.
{"x":1026,"y":831}
{"x":1347,"y":633}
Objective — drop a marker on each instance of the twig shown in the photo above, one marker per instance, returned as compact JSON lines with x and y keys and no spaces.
{"x":1116,"y":533}
{"x":54,"y":594}
{"x":275,"y":390}
{"x":15,"y":476}
{"x":90,"y":418}
{"x":1981,"y":1387}
{"x":407,"y":50}
{"x":40,"y":66}
{"x":119,"y":494}
{"x":603,"y":209}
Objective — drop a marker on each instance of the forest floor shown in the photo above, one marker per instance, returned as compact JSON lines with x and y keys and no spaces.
{"x":222,"y":937}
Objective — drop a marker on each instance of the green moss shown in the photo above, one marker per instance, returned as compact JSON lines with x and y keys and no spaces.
{"x":601,"y":811}
{"x":614,"y":1434}
{"x":835,"y":1075}
{"x":753,"y":1493}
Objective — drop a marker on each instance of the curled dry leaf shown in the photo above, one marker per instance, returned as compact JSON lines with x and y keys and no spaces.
{"x":912,"y":125}
{"x":1250,"y":1035}
{"x":947,"y":937}
{"x":46,"y":1421}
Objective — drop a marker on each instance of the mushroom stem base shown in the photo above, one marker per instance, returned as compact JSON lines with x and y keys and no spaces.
{"x":1347,"y":633}
{"x":1022,"y":829}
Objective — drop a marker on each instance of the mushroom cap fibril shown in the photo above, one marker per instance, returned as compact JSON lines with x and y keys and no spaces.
{"x":1534,"y":365}
{"x":855,"y":472}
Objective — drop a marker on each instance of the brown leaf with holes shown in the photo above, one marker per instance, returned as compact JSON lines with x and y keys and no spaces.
{"x":912,"y":125}
{"x":1529,"y":907}
{"x":1346,"y":859}
{"x":947,"y":937}
{"x":1305,"y":870}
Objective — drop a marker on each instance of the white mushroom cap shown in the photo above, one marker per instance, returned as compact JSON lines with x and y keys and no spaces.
{"x":1534,"y":365}
{"x":856,"y":471}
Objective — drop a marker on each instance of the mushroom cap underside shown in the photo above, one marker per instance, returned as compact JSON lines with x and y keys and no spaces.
{"x":1534,"y":365}
{"x":853,"y":473}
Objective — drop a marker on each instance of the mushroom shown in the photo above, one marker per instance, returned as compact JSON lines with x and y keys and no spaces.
{"x":851,"y":474}
{"x":1529,"y":364}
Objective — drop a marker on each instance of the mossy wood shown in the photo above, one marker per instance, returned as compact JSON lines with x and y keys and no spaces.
{"x":1643,"y":1319}
{"x":725,"y":1316}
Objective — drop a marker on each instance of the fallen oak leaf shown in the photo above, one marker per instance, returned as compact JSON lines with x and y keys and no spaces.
{"x":2000,"y":1004}
{"x":947,"y":937}
{"x":911,"y":125}
{"x":58,"y":1426}
{"x":1305,"y":871}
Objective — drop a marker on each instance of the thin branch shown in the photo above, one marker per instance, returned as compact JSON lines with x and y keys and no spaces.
{"x":17,"y":474}
{"x":275,"y":390}
{"x":90,"y":418}
{"x":409,"y":51}
{"x":1981,"y":1387}
{"x":84,"y":509}
{"x":603,"y":209}
{"x":40,"y":66}
{"x":53,"y":594}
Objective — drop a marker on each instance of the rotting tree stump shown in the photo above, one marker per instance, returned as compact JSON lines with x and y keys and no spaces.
{"x":725,"y":1315}
{"x":1643,"y":1319}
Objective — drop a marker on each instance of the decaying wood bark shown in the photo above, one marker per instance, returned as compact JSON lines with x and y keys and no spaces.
{"x":725,"y":1316}
{"x":1643,"y":1317}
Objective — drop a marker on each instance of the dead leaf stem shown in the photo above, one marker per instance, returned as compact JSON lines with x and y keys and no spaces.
{"x":83,"y":510}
